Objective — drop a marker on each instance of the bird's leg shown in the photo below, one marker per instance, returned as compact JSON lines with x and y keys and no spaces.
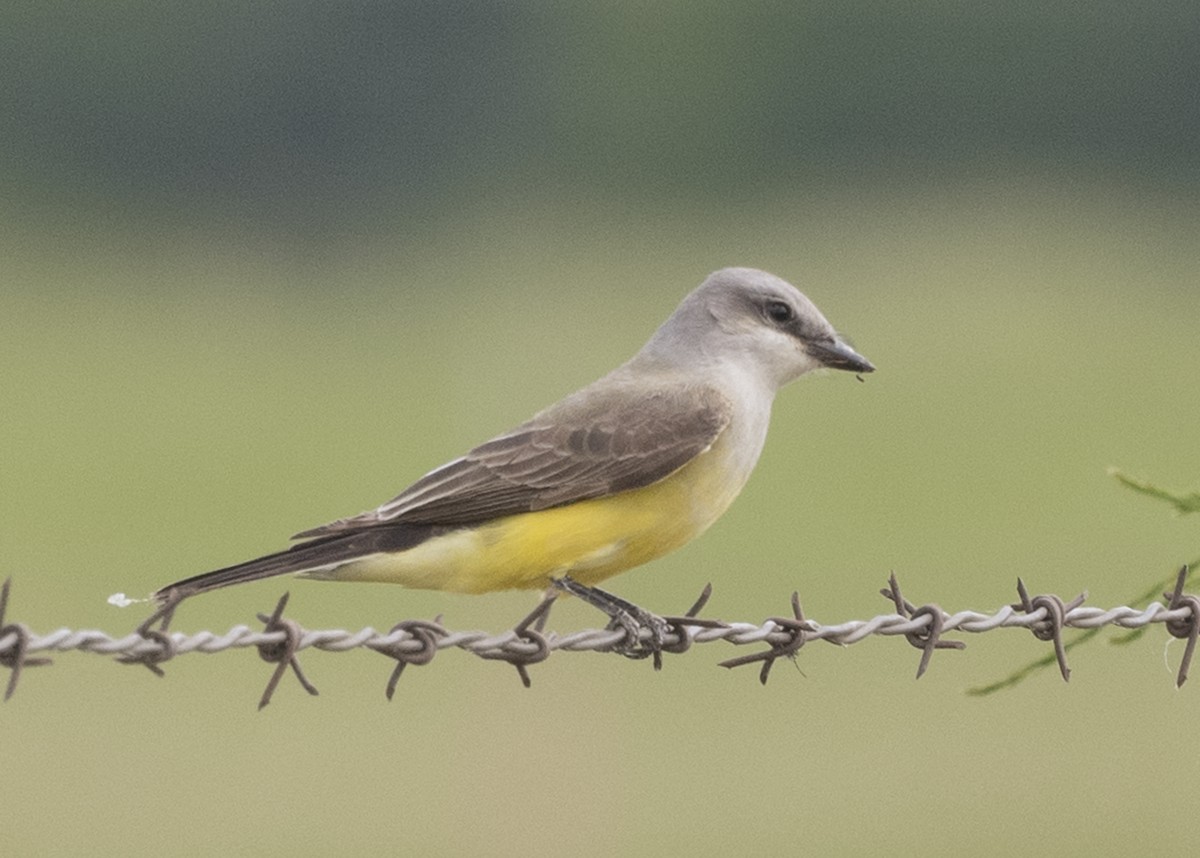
{"x":622,"y":614}
{"x":164,"y":614}
{"x":542,"y":611}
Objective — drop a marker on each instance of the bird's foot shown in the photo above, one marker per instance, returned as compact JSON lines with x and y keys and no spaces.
{"x":623,"y":615}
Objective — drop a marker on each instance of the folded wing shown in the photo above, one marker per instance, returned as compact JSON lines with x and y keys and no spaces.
{"x":587,"y":446}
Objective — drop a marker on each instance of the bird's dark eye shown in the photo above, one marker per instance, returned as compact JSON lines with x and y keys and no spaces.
{"x":779,"y":312}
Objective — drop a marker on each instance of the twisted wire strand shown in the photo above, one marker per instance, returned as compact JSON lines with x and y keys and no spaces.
{"x":486,"y":643}
{"x":416,"y":642}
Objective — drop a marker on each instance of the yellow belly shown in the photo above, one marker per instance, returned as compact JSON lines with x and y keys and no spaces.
{"x":590,"y":540}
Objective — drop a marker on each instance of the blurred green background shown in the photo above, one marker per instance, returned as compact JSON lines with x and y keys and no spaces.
{"x":261,"y":266}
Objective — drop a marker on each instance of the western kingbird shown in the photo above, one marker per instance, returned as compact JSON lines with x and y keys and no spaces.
{"x":621,"y":472}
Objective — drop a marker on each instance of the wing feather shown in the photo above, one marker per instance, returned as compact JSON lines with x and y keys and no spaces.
{"x":592,"y":444}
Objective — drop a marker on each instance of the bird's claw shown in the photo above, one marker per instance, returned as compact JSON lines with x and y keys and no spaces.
{"x":627,"y":617}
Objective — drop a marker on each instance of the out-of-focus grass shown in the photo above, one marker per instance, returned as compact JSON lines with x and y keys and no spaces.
{"x":173,"y":403}
{"x":1183,"y":503}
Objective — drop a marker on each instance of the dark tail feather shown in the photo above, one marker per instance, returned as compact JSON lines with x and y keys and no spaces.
{"x":326,"y":551}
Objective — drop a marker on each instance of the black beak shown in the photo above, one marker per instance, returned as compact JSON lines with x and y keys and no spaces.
{"x":835,"y":354}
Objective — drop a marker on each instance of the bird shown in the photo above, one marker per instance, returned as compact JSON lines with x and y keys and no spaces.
{"x":617,"y":474}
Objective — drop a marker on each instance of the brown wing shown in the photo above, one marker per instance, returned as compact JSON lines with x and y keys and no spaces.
{"x":594,"y":443}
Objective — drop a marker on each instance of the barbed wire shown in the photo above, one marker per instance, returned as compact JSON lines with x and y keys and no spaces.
{"x":417,"y":642}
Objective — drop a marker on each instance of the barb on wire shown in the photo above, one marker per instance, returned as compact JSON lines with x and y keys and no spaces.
{"x":1144,"y":601}
{"x":16,"y":656}
{"x":1052,"y":627}
{"x":423,"y":634}
{"x":677,"y":627}
{"x":283,"y":653}
{"x":528,"y":631}
{"x":927,"y":639}
{"x":416,"y":642}
{"x":1187,"y":628}
{"x":795,"y":626}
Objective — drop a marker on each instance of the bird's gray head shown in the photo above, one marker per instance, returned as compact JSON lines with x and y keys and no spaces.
{"x":758,"y":319}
